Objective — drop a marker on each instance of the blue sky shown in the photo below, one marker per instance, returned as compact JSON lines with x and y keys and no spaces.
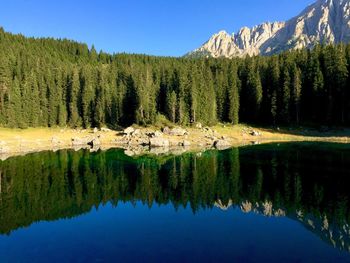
{"x":156,"y":27}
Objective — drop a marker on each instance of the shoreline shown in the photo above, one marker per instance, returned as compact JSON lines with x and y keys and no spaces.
{"x":153,"y":140}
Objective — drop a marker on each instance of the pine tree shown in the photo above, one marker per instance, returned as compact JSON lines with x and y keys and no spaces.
{"x":87,"y":96}
{"x":296,"y":93}
{"x":14,"y":107}
{"x":271,"y":92}
{"x":234,"y":100}
{"x":254,"y":93}
{"x":4,"y":84}
{"x":183,"y":99}
{"x":285,"y":111}
{"x":171,"y":106}
{"x":73,"y":93}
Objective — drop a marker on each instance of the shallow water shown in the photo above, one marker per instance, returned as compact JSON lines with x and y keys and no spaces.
{"x":264,"y":203}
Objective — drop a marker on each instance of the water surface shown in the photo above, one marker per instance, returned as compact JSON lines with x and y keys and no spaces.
{"x":265,"y":203}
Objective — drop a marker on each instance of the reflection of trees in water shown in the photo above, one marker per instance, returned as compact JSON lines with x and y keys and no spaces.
{"x":308,"y":184}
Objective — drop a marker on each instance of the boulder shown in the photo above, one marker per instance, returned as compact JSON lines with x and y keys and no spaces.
{"x":159,"y":142}
{"x":178,"y":132}
{"x":186,"y":143}
{"x":55,"y":141}
{"x":95,"y":142}
{"x":129,"y":131}
{"x":105,"y":130}
{"x":158,"y":134}
{"x":143,"y":141}
{"x":199,"y":125}
{"x":80,"y":141}
{"x":95,"y":130}
{"x":166,"y":130}
{"x":255,"y":133}
{"x":221,"y":144}
{"x":207,"y":130}
{"x":136,"y":133}
{"x":155,"y":134}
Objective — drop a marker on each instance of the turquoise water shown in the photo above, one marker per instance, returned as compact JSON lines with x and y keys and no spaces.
{"x":265,"y":203}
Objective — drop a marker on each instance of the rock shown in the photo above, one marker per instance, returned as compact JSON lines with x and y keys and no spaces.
{"x":208,"y":130}
{"x":105,"y":130}
{"x":186,"y":143}
{"x":136,"y":133}
{"x":166,"y":130}
{"x":246,"y":207}
{"x":95,"y":130}
{"x":84,"y":141}
{"x":158,"y":134}
{"x":4,"y":148}
{"x":155,"y":134}
{"x":324,"y":21}
{"x":129,"y":131}
{"x":159,"y":142}
{"x":178,"y":132}
{"x":210,"y":137}
{"x":255,"y":133}
{"x":55,"y":141}
{"x":130,"y":153}
{"x":199,"y":125}
{"x":95,"y":142}
{"x":79,"y":141}
{"x":221,"y":144}
{"x":143,"y":141}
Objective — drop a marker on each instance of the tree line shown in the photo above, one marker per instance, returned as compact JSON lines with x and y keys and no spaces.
{"x":47,"y":83}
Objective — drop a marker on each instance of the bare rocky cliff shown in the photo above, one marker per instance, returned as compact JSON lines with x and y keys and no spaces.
{"x":326,"y":21}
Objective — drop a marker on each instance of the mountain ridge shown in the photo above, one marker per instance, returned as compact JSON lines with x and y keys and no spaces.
{"x":325,"y":21}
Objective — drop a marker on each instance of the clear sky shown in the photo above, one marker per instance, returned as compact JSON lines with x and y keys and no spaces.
{"x":156,"y":27}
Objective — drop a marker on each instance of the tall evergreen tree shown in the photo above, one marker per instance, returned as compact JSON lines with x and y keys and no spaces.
{"x":4,"y":84}
{"x":234,"y":100}
{"x":296,"y":93}
{"x":171,"y":106}
{"x":285,"y":111}
{"x":73,"y":83}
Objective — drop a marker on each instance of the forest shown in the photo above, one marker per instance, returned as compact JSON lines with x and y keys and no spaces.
{"x":47,"y":83}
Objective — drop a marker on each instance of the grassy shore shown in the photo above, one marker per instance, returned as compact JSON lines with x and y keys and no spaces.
{"x":19,"y":141}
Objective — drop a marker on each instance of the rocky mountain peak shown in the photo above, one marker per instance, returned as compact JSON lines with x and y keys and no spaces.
{"x":325,"y":21}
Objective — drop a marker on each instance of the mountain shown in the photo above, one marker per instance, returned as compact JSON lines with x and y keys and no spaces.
{"x":326,"y":21}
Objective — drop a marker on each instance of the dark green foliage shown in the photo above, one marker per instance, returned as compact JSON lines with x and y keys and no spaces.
{"x":47,"y":82}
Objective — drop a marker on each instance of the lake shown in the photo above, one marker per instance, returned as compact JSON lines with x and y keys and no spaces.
{"x":264,"y":203}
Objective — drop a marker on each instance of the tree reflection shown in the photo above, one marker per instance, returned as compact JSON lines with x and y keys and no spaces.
{"x":305,"y":182}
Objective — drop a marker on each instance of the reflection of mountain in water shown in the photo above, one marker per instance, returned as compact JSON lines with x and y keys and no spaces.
{"x":305,"y":182}
{"x":338,"y":235}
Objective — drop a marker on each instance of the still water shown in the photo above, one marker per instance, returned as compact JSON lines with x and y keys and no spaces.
{"x":265,"y":203}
